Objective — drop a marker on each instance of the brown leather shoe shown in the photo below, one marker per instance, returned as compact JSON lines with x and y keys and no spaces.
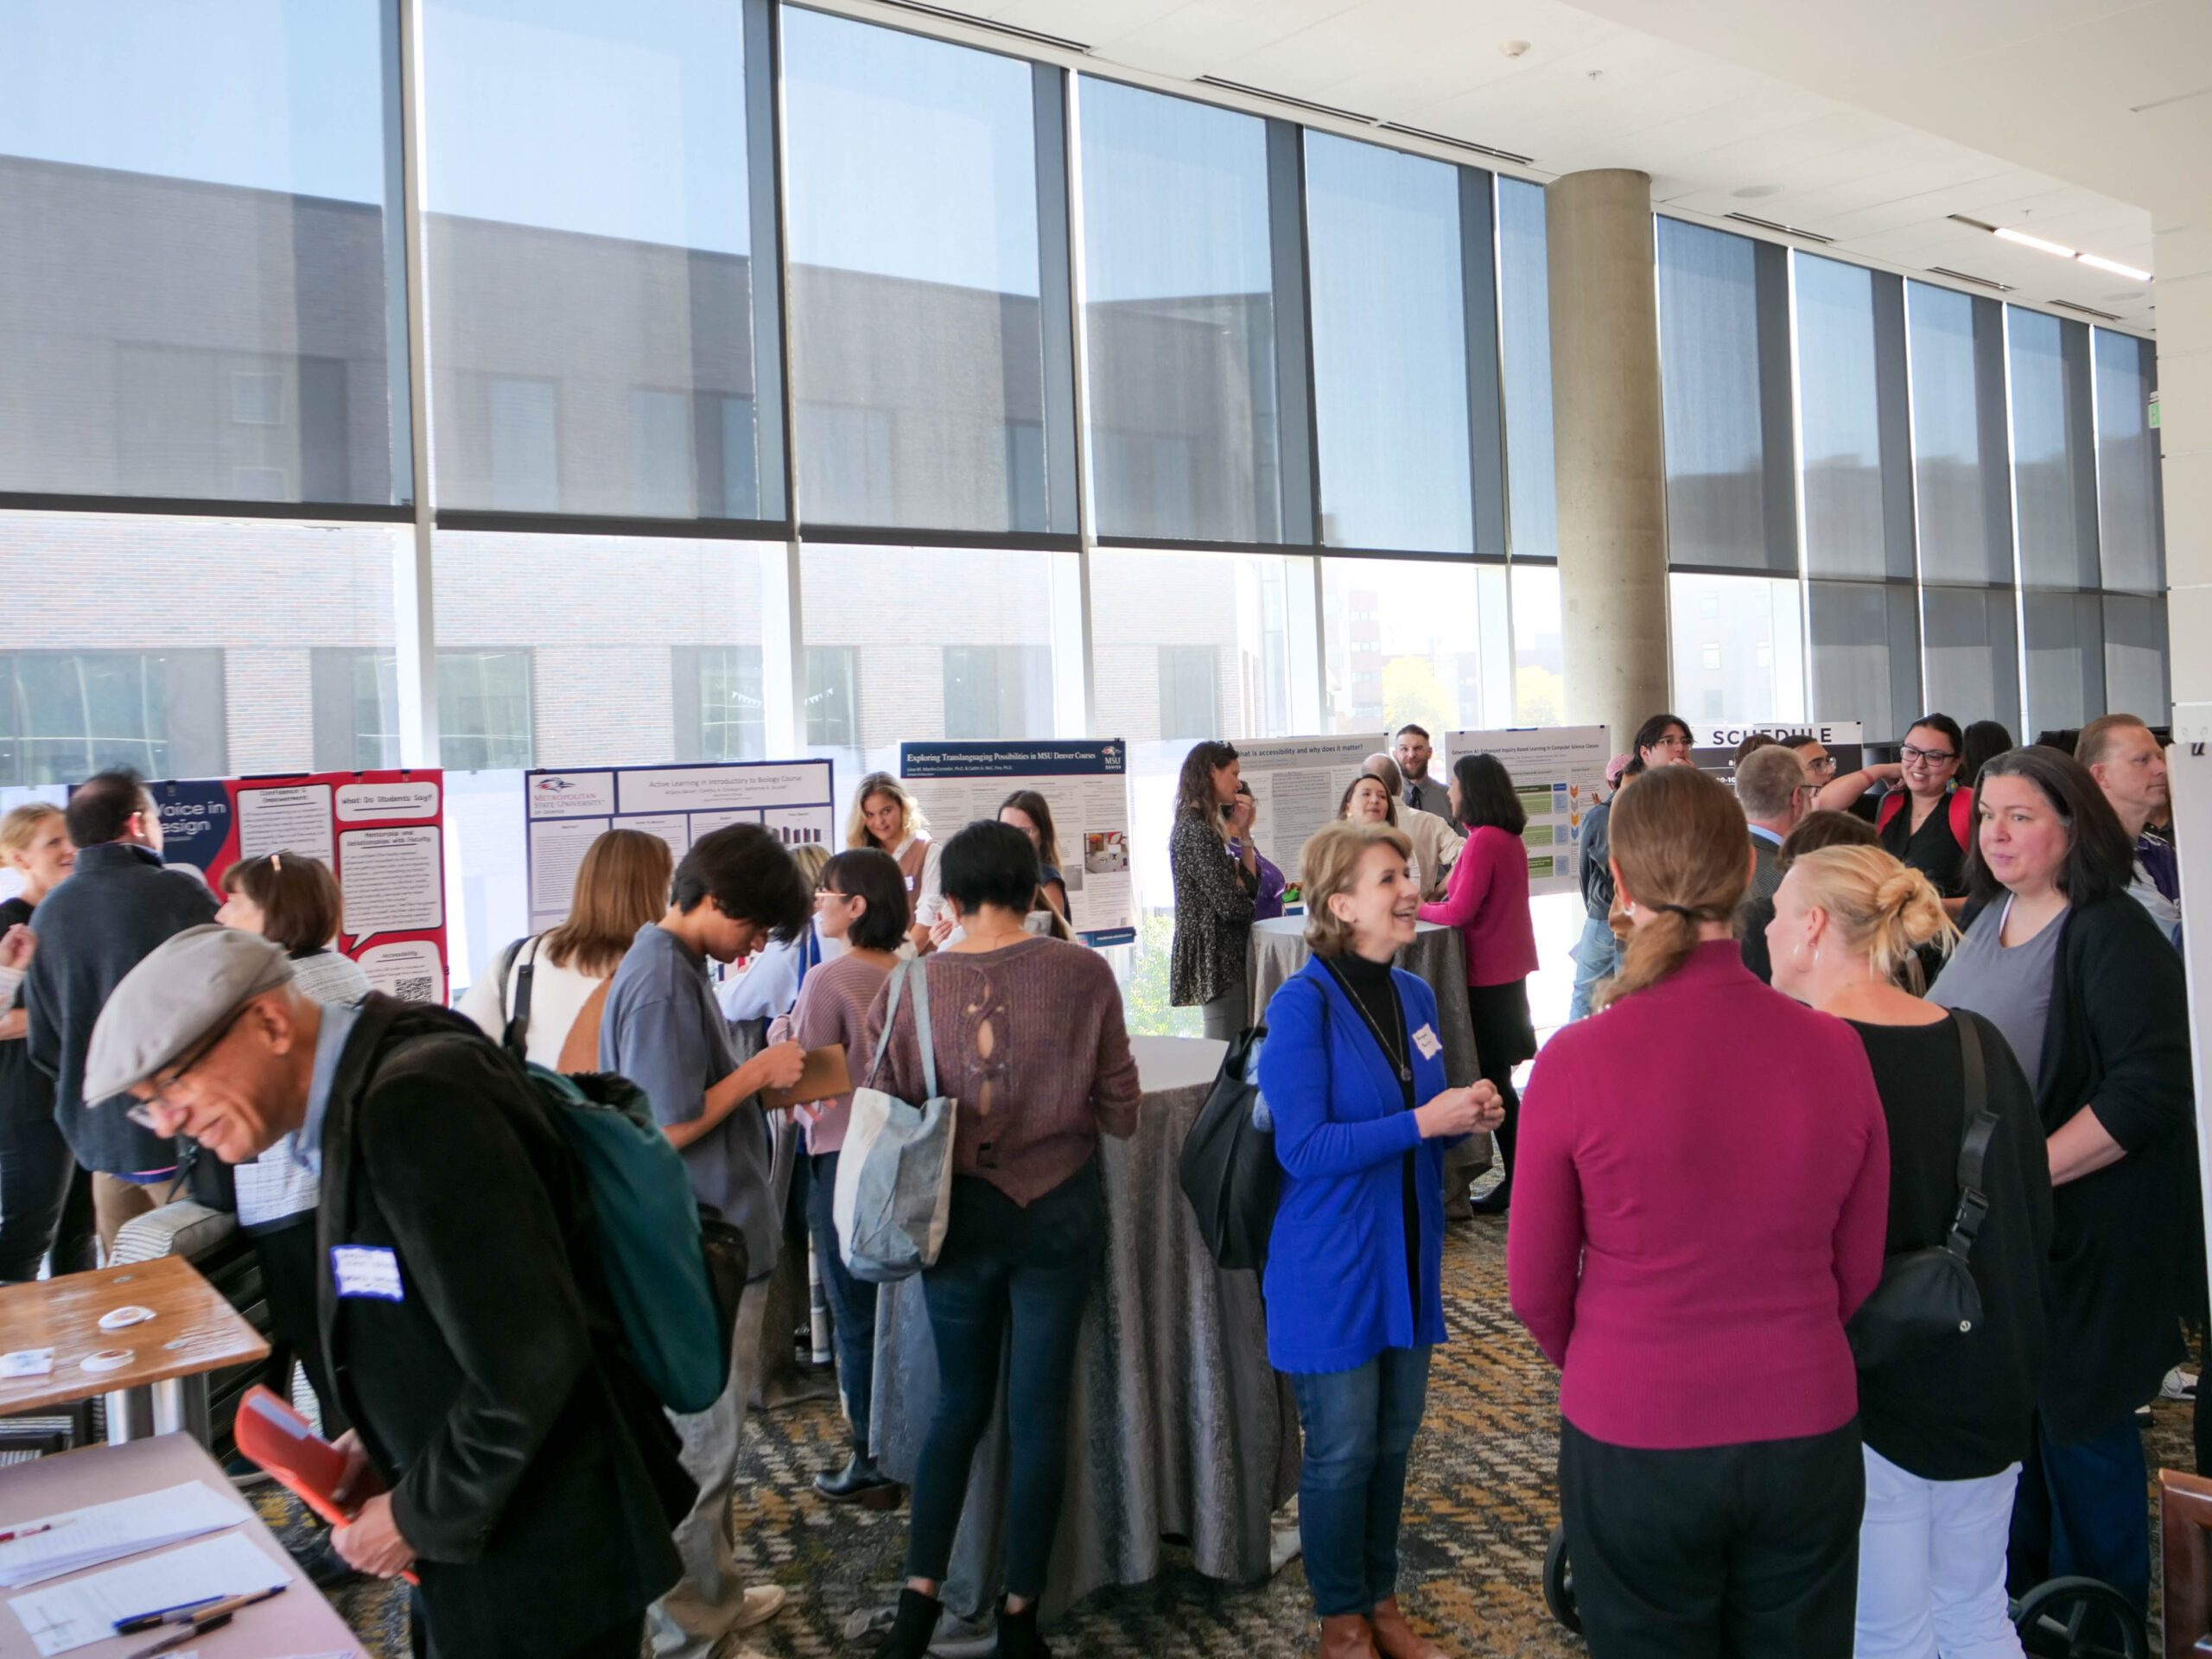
{"x":1345,"y":1636}
{"x":1394,"y":1638}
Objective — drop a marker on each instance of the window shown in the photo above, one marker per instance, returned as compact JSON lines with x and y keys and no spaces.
{"x":929,"y":281}
{"x":1973,"y":654}
{"x":1525,"y":368}
{"x":1539,"y":677}
{"x":1851,"y":420}
{"x":720,"y":706}
{"x":990,"y":691}
{"x":202,"y":292}
{"x":1961,"y":472}
{"x":1190,"y":701}
{"x":2054,"y":463}
{"x":1418,"y":640}
{"x":1186,"y":258}
{"x":1723,"y":363}
{"x":2135,"y":656}
{"x":355,"y":708}
{"x":593,"y":181}
{"x":1866,"y":654}
{"x":2130,"y":532}
{"x":1402,"y":286}
{"x":1747,"y":664}
{"x":2065,"y":659}
{"x":832,"y":721}
{"x":65,"y":715}
{"x":484,"y":710}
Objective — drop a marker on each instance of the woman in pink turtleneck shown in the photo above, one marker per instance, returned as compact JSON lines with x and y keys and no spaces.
{"x":1701,"y":1205}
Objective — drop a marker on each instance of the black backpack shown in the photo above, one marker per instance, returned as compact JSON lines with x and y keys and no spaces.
{"x":1227,"y":1166}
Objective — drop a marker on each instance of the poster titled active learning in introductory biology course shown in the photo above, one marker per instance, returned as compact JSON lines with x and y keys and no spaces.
{"x":1559,"y":773}
{"x":382,"y":833}
{"x":569,"y":811}
{"x":1086,"y":784}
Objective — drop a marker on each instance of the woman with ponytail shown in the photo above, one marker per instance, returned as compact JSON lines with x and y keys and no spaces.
{"x":1946,"y":1429}
{"x":1700,"y":1208}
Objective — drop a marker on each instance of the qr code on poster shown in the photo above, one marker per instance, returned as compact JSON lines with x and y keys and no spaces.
{"x":416,"y":987}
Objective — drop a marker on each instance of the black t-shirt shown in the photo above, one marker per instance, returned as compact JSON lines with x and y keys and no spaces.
{"x":24,"y":1088}
{"x":1932,"y":849}
{"x":1368,"y":984}
{"x":1966,"y":1412}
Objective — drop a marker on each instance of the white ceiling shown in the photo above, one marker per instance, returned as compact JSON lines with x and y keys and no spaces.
{"x":1805,"y":104}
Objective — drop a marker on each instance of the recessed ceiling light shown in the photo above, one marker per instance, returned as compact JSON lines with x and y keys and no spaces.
{"x":2027,"y":241}
{"x":1513,"y":48}
{"x":2113,"y":266}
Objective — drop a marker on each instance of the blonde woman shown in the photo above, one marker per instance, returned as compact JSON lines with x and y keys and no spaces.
{"x":621,"y":885}
{"x":886,"y":817}
{"x":1946,"y":1431}
{"x":36,"y":1171}
{"x":1687,"y":1238}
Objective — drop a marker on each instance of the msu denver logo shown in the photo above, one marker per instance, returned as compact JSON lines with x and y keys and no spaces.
{"x":554,"y":785}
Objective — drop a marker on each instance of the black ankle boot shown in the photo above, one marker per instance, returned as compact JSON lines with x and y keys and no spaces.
{"x":911,"y":1631}
{"x":1018,"y":1638}
{"x":860,"y":1482}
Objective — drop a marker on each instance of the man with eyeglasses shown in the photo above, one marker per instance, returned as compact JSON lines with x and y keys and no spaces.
{"x":503,"y":1449}
{"x":1814,"y":756}
{"x":1662,"y":740}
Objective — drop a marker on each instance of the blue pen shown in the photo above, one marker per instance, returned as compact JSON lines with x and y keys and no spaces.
{"x":161,"y":1615}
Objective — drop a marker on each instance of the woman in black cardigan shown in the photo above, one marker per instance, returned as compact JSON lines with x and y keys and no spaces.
{"x":2090,"y":995}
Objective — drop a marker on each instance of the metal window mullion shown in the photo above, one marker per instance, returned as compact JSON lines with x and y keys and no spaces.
{"x":2019,"y":569}
{"x":414,"y":571}
{"x":765,"y":28}
{"x":1796,"y":379}
{"x":1077,"y":347}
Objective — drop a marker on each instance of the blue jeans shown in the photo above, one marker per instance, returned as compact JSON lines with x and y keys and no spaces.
{"x":1597,"y":956}
{"x":2082,"y":1510}
{"x":852,"y":1301}
{"x":1359,"y":1426}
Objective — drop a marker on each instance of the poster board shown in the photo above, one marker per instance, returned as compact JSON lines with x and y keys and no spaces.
{"x":2189,"y":767}
{"x":381,"y":833}
{"x":1713,"y":742}
{"x":565,"y":812}
{"x":1087,"y":785}
{"x":1296,"y":784}
{"x":1559,"y":771}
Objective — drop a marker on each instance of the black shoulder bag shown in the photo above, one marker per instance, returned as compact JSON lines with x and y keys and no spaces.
{"x":1228,"y":1166}
{"x":1928,"y":1297}
{"x":515,"y":1038}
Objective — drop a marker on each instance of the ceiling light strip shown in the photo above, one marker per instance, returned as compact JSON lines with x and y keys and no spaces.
{"x":2043,"y":245}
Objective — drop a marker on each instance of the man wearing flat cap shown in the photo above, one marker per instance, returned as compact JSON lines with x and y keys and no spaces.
{"x":518,"y":1465}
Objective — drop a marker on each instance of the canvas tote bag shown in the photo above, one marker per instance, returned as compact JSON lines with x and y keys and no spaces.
{"x":894,"y":1172}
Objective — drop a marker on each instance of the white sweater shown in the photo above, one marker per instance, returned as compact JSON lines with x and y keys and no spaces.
{"x":557,"y":996}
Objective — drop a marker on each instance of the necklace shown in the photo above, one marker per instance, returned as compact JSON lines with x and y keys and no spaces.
{"x":1394,"y":1052}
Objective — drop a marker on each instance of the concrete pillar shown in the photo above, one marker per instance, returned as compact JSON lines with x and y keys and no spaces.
{"x":1607,"y":441}
{"x":2183,"y":258}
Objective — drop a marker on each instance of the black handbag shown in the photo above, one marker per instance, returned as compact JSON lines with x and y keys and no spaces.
{"x":1227,"y":1166}
{"x":1928,"y":1297}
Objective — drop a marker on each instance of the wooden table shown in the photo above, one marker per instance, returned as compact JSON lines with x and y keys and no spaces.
{"x":298,"y":1622}
{"x":194,"y":1331}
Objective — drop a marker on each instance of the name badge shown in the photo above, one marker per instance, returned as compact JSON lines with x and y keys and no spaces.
{"x":362,"y":1270}
{"x":1425,"y":1041}
{"x":909,"y":884}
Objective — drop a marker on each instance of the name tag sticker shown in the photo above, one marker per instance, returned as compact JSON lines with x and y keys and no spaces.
{"x":1425,"y":1041}
{"x":362,"y":1270}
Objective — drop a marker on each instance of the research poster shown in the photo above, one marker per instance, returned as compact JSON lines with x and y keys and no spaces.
{"x":566,"y":811}
{"x":1296,"y":784}
{"x":1713,"y":743}
{"x":1559,"y":771}
{"x":382,"y":834}
{"x":1086,"y":785}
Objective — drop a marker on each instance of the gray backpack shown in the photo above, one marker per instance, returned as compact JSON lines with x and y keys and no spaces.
{"x":894,"y":1172}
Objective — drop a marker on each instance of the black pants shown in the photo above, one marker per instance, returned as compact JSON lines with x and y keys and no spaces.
{"x":288,"y":1262}
{"x":1504,"y":1038}
{"x":37,"y":1175}
{"x":623,"y":1641}
{"x":1725,"y":1552}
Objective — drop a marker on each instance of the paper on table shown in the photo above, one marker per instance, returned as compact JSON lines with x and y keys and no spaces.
{"x":108,"y":1532}
{"x":85,"y":1610}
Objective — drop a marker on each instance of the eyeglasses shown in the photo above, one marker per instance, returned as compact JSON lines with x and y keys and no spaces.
{"x":1927,"y":757}
{"x":1826,"y":764}
{"x":143,"y":1113}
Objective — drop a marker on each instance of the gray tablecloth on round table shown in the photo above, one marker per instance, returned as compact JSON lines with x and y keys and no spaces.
{"x":1179,"y":1425}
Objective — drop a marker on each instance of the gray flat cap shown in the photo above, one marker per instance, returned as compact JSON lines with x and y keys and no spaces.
{"x":174,"y":999}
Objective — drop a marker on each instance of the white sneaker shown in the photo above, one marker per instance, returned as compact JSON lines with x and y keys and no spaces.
{"x":762,"y":1603}
{"x":2179,"y":1385}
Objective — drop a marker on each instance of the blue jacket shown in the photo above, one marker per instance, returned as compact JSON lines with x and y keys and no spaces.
{"x":1336,"y":1276}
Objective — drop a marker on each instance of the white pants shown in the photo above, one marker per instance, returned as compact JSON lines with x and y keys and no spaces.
{"x":1931,"y":1566}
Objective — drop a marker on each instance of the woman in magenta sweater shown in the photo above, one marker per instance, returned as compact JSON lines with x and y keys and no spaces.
{"x":1703,"y":1196}
{"x":1487,"y":899}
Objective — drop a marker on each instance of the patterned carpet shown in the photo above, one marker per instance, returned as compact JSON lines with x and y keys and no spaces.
{"x":1479,"y":1511}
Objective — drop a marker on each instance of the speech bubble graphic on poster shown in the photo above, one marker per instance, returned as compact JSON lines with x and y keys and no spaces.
{"x":393,"y":880}
{"x":287,"y":818}
{"x":402,"y":798}
{"x":406,"y":969}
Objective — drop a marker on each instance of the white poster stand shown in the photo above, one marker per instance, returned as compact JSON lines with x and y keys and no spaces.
{"x":2189,"y":770}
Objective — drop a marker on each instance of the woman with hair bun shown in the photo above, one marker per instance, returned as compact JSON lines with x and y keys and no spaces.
{"x":1946,"y":1430}
{"x":1688,"y":1239}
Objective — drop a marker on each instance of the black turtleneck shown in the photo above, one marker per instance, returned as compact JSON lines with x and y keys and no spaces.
{"x":1369,"y":985}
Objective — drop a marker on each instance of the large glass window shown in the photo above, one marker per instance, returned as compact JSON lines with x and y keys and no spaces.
{"x":1180,"y":304}
{"x":1724,"y":371}
{"x":1739,"y":648}
{"x":1961,"y":471}
{"x":2054,"y":463}
{"x":931,"y":366}
{"x":1972,"y":648}
{"x":1393,"y":320}
{"x":1525,"y":368}
{"x":1852,"y":423}
{"x":1539,"y":648}
{"x":2131,"y":533}
{"x":200,"y":276}
{"x":2065,"y":659}
{"x":600,"y":341}
{"x":2135,"y":656}
{"x":1866,"y":652}
{"x":1416,"y":641}
{"x":65,"y":715}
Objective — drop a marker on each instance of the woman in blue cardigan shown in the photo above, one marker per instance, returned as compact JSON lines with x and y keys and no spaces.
{"x":1353,"y":1303}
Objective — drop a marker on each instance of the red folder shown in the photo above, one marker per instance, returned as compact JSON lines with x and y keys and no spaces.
{"x":284,"y":1443}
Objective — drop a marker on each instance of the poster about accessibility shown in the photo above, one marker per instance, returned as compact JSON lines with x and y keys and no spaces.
{"x":1559,"y":771}
{"x":1085,"y":784}
{"x":1713,"y":743}
{"x":1296,"y":784}
{"x":382,"y":834}
{"x":566,"y":811}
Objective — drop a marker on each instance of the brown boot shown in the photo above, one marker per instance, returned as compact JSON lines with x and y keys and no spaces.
{"x":1394,"y":1638}
{"x":1345,"y":1636}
